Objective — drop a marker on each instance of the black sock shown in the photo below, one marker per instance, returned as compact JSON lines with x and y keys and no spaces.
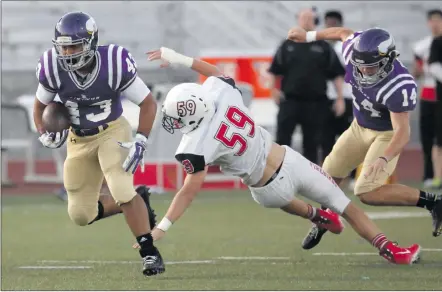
{"x":146,"y":244}
{"x":100,"y":213}
{"x":427,"y":200}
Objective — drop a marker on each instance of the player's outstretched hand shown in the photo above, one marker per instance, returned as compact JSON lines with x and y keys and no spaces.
{"x":297,"y":34}
{"x":137,"y":150}
{"x":158,"y":55}
{"x":157,"y":234}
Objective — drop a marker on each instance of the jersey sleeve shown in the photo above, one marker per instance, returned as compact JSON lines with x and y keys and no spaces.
{"x":418,"y":51}
{"x":126,"y":68}
{"x":192,"y":163}
{"x":277,"y":67}
{"x":402,"y":98}
{"x":136,"y":91}
{"x":228,"y":80}
{"x":45,"y":73}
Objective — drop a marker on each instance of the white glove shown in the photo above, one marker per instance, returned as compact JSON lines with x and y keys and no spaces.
{"x":54,"y":140}
{"x":136,"y":153}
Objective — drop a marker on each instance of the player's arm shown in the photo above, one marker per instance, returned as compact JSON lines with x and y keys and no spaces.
{"x":42,"y":98}
{"x":400,"y":103}
{"x":276,"y":71}
{"x":184,"y":197}
{"x":401,"y":134}
{"x":44,"y":95}
{"x":39,"y":107}
{"x":418,"y":67}
{"x":196,"y":169}
{"x":435,"y":59}
{"x":133,"y":88}
{"x":140,"y":94}
{"x":173,"y":57}
{"x":298,"y":34}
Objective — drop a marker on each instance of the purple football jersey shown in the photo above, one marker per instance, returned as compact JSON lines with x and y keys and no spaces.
{"x":97,"y":100}
{"x":372,"y":105}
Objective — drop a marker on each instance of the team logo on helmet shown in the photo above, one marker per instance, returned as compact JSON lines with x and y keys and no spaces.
{"x":91,"y":26}
{"x":383,"y":47}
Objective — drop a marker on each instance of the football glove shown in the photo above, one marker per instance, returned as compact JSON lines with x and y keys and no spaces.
{"x":54,"y":140}
{"x":136,"y":153}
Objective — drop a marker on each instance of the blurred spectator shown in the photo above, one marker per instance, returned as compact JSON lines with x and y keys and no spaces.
{"x":427,"y":97}
{"x":304,"y":69}
{"x":435,"y":68}
{"x":336,"y":125}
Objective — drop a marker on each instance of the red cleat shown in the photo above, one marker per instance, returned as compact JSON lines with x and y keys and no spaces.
{"x":329,"y":220}
{"x":401,"y":255}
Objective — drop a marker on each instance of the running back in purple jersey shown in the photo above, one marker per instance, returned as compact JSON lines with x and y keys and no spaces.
{"x":372,"y":105}
{"x":96,"y":100}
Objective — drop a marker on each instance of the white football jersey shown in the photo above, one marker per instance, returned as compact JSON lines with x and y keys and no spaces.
{"x":422,"y":50}
{"x":346,"y":90}
{"x":230,"y":139}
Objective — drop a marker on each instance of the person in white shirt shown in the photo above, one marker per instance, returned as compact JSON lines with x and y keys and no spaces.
{"x":428,"y":99}
{"x":337,"y":124}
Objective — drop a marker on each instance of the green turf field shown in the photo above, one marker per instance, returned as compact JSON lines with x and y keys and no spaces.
{"x":224,"y":242}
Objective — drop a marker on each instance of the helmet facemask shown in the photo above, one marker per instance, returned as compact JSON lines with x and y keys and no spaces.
{"x":385,"y":66}
{"x":170,"y":124}
{"x":77,"y":60}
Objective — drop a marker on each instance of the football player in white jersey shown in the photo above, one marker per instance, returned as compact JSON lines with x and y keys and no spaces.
{"x":219,"y":130}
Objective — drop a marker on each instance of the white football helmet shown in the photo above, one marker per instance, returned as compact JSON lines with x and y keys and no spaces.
{"x":185,"y":108}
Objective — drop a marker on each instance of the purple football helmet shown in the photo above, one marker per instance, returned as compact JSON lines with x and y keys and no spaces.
{"x":373,"y":56}
{"x":76,"y":40}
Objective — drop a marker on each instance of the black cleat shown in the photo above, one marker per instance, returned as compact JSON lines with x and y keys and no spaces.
{"x":436,"y":214}
{"x":313,"y":237}
{"x":143,"y":191}
{"x":153,"y":264}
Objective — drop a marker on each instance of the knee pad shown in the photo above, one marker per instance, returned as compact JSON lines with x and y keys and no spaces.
{"x":83,"y":215}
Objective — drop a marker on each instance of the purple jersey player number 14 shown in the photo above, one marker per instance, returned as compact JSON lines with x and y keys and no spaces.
{"x":372,"y":104}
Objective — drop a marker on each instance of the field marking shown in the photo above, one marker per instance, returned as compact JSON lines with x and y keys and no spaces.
{"x":123,"y":262}
{"x":396,"y":215}
{"x":55,"y":267}
{"x":365,"y":253}
{"x":252,"y":258}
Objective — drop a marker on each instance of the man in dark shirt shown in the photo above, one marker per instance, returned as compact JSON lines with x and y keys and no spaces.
{"x":305,"y":69}
{"x":435,"y":68}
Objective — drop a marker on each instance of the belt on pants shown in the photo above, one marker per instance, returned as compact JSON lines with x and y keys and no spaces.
{"x":274,"y":175}
{"x":89,"y":132}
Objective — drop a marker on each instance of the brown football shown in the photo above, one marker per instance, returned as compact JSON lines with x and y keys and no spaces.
{"x":56,"y":117}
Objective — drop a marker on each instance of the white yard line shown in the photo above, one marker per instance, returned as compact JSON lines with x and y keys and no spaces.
{"x":122,"y":262}
{"x":396,"y":215}
{"x":55,"y":267}
{"x":365,"y":253}
{"x":252,"y":258}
